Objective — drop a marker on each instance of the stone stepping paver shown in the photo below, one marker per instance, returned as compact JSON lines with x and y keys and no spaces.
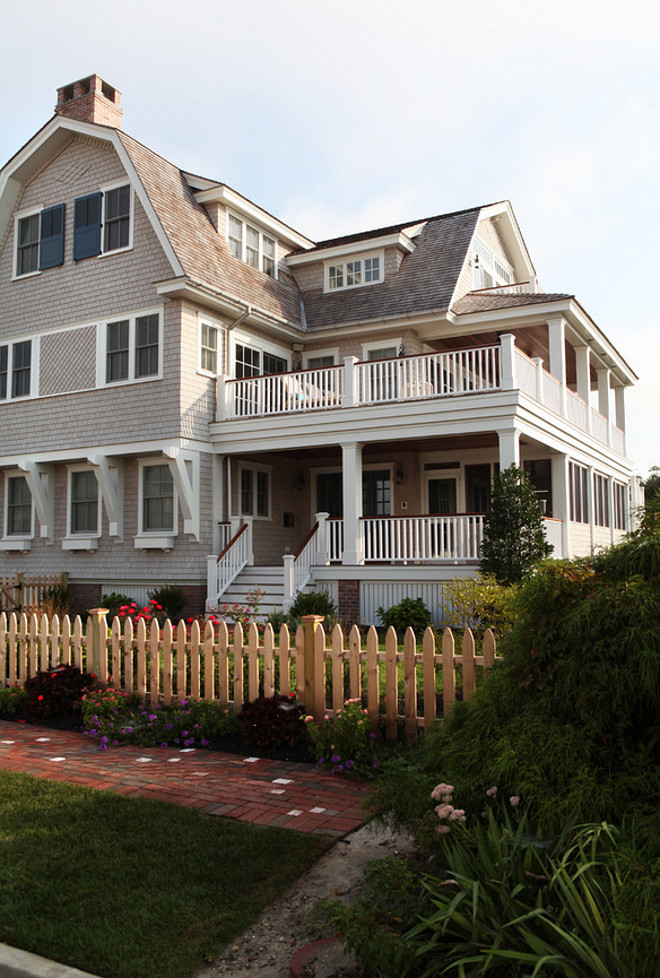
{"x":251,"y":789}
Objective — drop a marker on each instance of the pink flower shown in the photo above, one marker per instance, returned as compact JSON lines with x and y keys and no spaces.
{"x":442,"y":829}
{"x":514,"y":801}
{"x":442,"y":792}
{"x":492,"y":791}
{"x":444,"y":811}
{"x":458,"y":815}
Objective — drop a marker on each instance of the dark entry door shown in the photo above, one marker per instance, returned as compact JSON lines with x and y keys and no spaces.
{"x":442,"y":497}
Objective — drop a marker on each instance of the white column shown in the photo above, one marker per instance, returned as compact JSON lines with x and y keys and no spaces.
{"x":222,"y":398}
{"x":557,"y":350}
{"x":561,"y":500}
{"x":538,"y":363}
{"x":509,"y":448}
{"x":322,"y":547}
{"x":583,"y":378}
{"x":592,"y":506}
{"x":350,"y":395}
{"x":620,"y":407}
{"x":603,"y":374}
{"x":289,"y":583}
{"x":507,"y":362}
{"x":352,"y":491}
{"x":217,"y":501}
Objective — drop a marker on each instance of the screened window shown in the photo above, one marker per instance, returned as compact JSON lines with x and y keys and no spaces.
{"x":84,"y":502}
{"x":19,"y":506}
{"x":620,"y":494}
{"x":578,"y":483}
{"x":117,"y":218}
{"x":4,"y":367}
{"x":601,"y":501}
{"x":209,"y":348}
{"x":274,"y":364}
{"x":251,"y":247}
{"x":157,"y":499}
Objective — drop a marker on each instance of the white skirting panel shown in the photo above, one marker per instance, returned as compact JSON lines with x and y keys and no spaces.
{"x":376,"y":594}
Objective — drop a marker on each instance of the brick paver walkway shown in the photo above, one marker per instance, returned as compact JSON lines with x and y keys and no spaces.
{"x":295,"y":796}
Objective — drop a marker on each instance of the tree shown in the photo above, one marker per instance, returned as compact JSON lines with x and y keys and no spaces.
{"x":652,"y":485}
{"x":514,"y":533}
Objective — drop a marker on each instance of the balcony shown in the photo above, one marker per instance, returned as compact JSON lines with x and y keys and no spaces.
{"x":407,"y":379}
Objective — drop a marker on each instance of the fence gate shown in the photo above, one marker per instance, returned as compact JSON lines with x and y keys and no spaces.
{"x":23,"y":592}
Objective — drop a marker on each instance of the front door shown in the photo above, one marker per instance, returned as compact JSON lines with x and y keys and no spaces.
{"x":442,"y":497}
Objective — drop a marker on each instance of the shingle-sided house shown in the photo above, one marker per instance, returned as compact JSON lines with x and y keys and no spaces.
{"x":194,"y":393}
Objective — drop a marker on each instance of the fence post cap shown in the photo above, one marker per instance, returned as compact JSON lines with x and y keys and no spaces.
{"x":313,"y":618}
{"x":98,"y":611}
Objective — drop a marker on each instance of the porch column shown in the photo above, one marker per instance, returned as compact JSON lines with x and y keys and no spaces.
{"x":509,"y":448}
{"x":561,"y":506}
{"x":583,"y":372}
{"x":620,"y":408}
{"x":323,"y":548}
{"x":603,"y":374}
{"x":557,"y":350}
{"x":217,"y":501}
{"x":507,"y":362}
{"x":352,"y":492}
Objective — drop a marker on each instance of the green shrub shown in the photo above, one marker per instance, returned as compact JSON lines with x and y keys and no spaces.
{"x":272,"y":722}
{"x":113,"y":602}
{"x":514,"y":539}
{"x":408,"y":613}
{"x":13,"y":700}
{"x":171,"y":599}
{"x":478,"y":603}
{"x":346,"y":743}
{"x":57,"y":693}
{"x":311,"y":603}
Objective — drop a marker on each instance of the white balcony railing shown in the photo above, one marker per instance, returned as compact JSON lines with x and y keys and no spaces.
{"x":411,"y":378}
{"x":390,"y":539}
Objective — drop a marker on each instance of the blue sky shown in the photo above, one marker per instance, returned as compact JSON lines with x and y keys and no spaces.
{"x":348,"y":115}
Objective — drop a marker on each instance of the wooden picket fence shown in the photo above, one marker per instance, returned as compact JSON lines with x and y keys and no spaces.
{"x":171,"y":663}
{"x":23,"y":592}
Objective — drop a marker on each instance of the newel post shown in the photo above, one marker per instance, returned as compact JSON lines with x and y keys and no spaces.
{"x":97,"y":647}
{"x":350,"y":395}
{"x":289,"y":580}
{"x":314,"y":684}
{"x":507,"y":362}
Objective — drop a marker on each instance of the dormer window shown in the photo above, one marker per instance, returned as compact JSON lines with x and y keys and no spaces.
{"x":354,"y":272}
{"x":250,"y":245}
{"x":489,"y":270}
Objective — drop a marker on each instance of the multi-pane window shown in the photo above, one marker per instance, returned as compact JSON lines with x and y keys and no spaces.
{"x":209,"y":348}
{"x":146,"y":345}
{"x":488,"y":269}
{"x":117,"y":351}
{"x":355,"y":272}
{"x":578,"y":484}
{"x":27,"y":249}
{"x":19,"y":506}
{"x":132,"y":348}
{"x":601,"y":501}
{"x":117,"y":223}
{"x":84,"y":502}
{"x":157,"y":499}
{"x":250,"y":245}
{"x":255,"y":492}
{"x":15,"y":369}
{"x":620,"y":494}
{"x":274,"y":364}
{"x":248,"y":361}
{"x":22,"y":361}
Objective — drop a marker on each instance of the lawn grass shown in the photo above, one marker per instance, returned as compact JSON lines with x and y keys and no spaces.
{"x":132,"y":887}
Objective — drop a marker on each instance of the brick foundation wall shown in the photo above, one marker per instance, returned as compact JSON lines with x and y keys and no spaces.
{"x":85,"y":596}
{"x":348,"y":602}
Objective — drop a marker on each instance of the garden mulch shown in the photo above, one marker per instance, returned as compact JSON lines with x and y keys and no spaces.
{"x":286,"y":794}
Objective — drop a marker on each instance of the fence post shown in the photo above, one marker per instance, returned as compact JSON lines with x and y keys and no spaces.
{"x":289,"y":582}
{"x":311,"y":624}
{"x":99,"y":643}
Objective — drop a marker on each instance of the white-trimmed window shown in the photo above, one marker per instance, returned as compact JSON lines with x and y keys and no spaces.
{"x":16,"y":370}
{"x":208,"y":348}
{"x":117,"y":223}
{"x":251,"y":360}
{"x":103,"y":222}
{"x":251,"y":245}
{"x":132,"y":349}
{"x":254,"y":487}
{"x":84,"y":510}
{"x":354,"y":272}
{"x":157,"y":499}
{"x":18,"y":517}
{"x":27,"y":244}
{"x":488,"y":268}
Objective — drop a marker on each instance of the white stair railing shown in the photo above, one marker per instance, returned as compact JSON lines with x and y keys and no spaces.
{"x":226,"y":567}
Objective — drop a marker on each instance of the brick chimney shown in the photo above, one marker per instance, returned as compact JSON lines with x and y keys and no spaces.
{"x":90,"y":100}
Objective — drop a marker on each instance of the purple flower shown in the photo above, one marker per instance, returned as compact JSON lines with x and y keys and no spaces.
{"x":335,"y":759}
{"x":205,"y":742}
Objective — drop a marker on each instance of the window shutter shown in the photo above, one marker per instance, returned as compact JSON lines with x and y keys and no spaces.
{"x":87,"y":227}
{"x":51,"y":252}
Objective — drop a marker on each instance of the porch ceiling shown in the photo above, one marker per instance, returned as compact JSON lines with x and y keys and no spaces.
{"x":332,"y":453}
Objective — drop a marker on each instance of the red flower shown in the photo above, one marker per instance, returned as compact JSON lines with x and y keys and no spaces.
{"x":40,"y":697}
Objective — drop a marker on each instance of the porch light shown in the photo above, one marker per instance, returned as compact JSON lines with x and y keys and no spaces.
{"x":301,"y":481}
{"x":399,"y":474}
